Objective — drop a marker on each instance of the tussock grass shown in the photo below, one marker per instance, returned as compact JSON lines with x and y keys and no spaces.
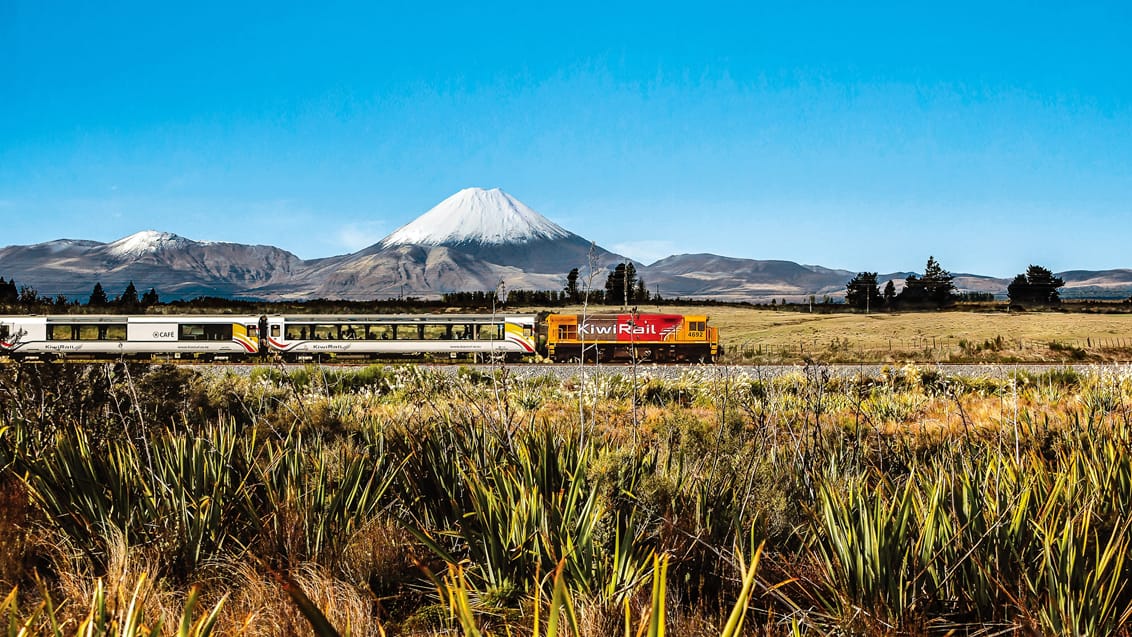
{"x":412,"y":502}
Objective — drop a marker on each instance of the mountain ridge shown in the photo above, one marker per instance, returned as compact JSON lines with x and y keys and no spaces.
{"x":470,"y":241}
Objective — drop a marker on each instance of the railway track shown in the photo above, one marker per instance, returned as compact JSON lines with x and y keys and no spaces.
{"x":672,"y":371}
{"x":658,"y":370}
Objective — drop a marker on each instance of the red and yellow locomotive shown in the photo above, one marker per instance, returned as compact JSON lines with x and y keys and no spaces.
{"x":631,"y":336}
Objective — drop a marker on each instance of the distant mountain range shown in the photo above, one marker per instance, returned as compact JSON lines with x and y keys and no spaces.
{"x":469,"y":242}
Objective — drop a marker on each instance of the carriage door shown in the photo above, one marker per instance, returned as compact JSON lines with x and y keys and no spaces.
{"x":263,"y":336}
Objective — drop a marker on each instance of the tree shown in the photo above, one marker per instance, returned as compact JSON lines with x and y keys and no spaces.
{"x":129,"y":298}
{"x":8,"y":291}
{"x":29,"y":295}
{"x":938,"y":283}
{"x":571,"y":288}
{"x":98,"y":297}
{"x":914,"y":292}
{"x":889,"y":293}
{"x":862,"y":292}
{"x":621,"y":284}
{"x":1038,"y":285}
{"x":149,"y":298}
{"x":934,"y":287}
{"x":642,"y":293}
{"x":1019,"y":290}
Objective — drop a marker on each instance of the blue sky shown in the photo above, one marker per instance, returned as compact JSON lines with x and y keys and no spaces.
{"x":863,"y":136}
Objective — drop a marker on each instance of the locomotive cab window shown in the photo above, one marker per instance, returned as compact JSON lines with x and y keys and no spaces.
{"x":568,"y":332}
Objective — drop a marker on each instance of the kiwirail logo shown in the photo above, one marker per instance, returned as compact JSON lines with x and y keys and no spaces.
{"x":626,"y":327}
{"x":591,"y":329}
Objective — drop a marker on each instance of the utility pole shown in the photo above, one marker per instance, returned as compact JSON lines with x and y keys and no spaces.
{"x":625,"y":286}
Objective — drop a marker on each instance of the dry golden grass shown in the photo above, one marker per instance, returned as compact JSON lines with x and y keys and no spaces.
{"x":768,"y":335}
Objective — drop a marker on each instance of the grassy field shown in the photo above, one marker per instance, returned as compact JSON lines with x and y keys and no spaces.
{"x":763,"y":335}
{"x":142,"y":500}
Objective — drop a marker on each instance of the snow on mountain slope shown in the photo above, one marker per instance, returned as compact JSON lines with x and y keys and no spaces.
{"x":475,"y":215}
{"x":145,"y":242}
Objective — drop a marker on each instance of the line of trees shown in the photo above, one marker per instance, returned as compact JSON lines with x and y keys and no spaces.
{"x":936,"y":288}
{"x":25,"y":295}
{"x":128,"y":300}
{"x":623,"y":286}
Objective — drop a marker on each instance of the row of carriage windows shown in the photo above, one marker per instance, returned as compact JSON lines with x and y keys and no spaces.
{"x":386,"y":332}
{"x":117,"y":332}
{"x":87,"y":332}
{"x":302,"y":332}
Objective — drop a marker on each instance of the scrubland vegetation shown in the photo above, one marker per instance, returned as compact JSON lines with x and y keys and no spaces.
{"x":161,"y":500}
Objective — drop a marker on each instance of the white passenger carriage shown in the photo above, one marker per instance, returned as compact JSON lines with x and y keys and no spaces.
{"x":296,"y":338}
{"x":454,"y":336}
{"x":92,"y":337}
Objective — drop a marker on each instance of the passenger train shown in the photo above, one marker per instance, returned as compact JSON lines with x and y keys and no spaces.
{"x":318,"y":338}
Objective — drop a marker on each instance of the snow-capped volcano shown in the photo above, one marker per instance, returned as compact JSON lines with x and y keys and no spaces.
{"x":470,"y":241}
{"x":477,"y":216}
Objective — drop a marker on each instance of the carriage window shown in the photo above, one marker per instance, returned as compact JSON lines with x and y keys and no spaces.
{"x":275,"y":331}
{"x":294,"y":332}
{"x":113,"y":333}
{"x":324,"y":332}
{"x":88,"y":332}
{"x":61,"y":333}
{"x":490,"y":332}
{"x":437,"y":332}
{"x":4,"y":331}
{"x":379,"y":332}
{"x":350,"y":332}
{"x":205,"y":332}
{"x":407,"y":332}
{"x":253,"y":330}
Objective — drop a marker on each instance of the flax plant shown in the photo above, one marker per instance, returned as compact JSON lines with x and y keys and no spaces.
{"x":186,"y":505}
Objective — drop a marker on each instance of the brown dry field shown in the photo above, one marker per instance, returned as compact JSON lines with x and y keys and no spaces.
{"x":765,"y":335}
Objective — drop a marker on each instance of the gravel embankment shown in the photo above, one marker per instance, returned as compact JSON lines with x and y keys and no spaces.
{"x":670,"y":372}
